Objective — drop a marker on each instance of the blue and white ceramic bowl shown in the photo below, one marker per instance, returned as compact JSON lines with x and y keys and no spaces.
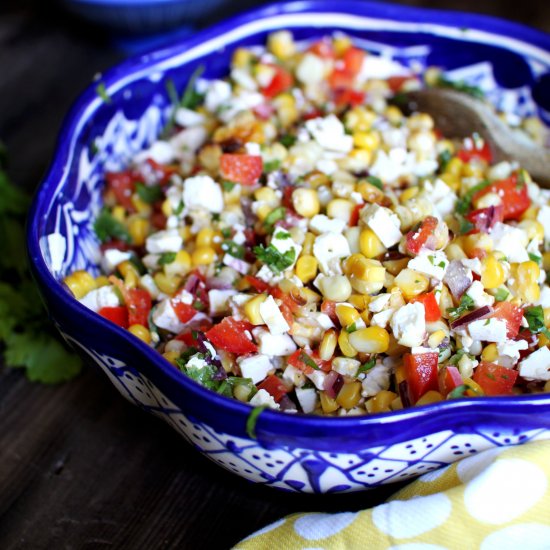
{"x":293,"y":452}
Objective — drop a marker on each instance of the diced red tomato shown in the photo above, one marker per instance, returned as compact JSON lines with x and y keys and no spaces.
{"x":323,"y":48}
{"x":158,"y":219}
{"x":230,"y":335}
{"x":274,"y":386}
{"x":449,"y":379}
{"x":138,"y":301}
{"x":431,"y":307}
{"x":299,"y":359}
{"x":397,"y":82}
{"x":495,"y":379}
{"x":282,"y":80}
{"x":257,"y":284}
{"x":511,"y":314}
{"x":421,"y":374}
{"x":312,"y":113}
{"x":515,"y":199}
{"x":123,"y":185}
{"x":287,"y":300}
{"x":354,"y":217}
{"x":187,"y":338}
{"x":117,"y":315}
{"x":353,"y":60}
{"x":341,"y":79}
{"x":240,"y":168}
{"x":328,"y":307}
{"x":415,"y":240}
{"x":185,"y":312}
{"x":485,"y":218}
{"x":345,"y":96}
{"x":480,"y":150}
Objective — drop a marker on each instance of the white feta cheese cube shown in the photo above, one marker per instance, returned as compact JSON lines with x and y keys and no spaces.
{"x":196,"y":361}
{"x":219,"y":300}
{"x":488,"y":330}
{"x":408,"y":324}
{"x":380,"y":302}
{"x":544,"y":299}
{"x":307,"y":397}
{"x":329,"y":248}
{"x":186,"y":142}
{"x":318,"y":379}
{"x":294,"y":376}
{"x":382,"y":319}
{"x":377,"y":379}
{"x":323,"y":224}
{"x":536,"y":366}
{"x":327,"y":166}
{"x":244,"y":79}
{"x":219,"y":92}
{"x":167,"y":240}
{"x":274,"y":344}
{"x":323,"y":320}
{"x":310,"y":70}
{"x":383,"y":222}
{"x":255,"y":367}
{"x":202,"y":192}
{"x":508,"y":352}
{"x":187,"y":117}
{"x":442,"y":196}
{"x":329,"y":133}
{"x":165,"y":317}
{"x":267,"y":276}
{"x":159,"y":151}
{"x":148,"y":283}
{"x":104,"y":296}
{"x":477,"y":293}
{"x":272,"y":316}
{"x":431,"y":263}
{"x":511,"y":241}
{"x":112,"y":257}
{"x":346,"y":366}
{"x":264,"y":399}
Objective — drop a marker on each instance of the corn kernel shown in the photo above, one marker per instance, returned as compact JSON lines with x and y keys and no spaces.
{"x":287,"y":112}
{"x":394,"y":115}
{"x":138,"y":229}
{"x":345,"y":347}
{"x":479,"y":241}
{"x":359,"y":119}
{"x":328,"y":404}
{"x":131,"y":275}
{"x":455,"y":167}
{"x":381,"y":402}
{"x":252,"y":309}
{"x":530,"y":214}
{"x":429,"y":397}
{"x":263,"y":211}
{"x":306,"y":268}
{"x":102,"y":280}
{"x":452,"y":181}
{"x":370,"y":340}
{"x":370,"y":245}
{"x":349,"y":395}
{"x":203,"y":255}
{"x":340,"y":209}
{"x":80,"y":283}
{"x":328,"y":345}
{"x":306,"y":202}
{"x":336,"y":288}
{"x":265,"y":194}
{"x":533,"y":228}
{"x":366,"y":140}
{"x":370,"y":193}
{"x":346,"y":314}
{"x":455,"y":252}
{"x":180,"y":266}
{"x":281,"y":44}
{"x":171,"y":357}
{"x":204,"y":237}
{"x":409,"y":193}
{"x":411,"y":283}
{"x":493,"y":274}
{"x":475,"y":389}
{"x":436,"y":338}
{"x":490,"y":353}
{"x":140,"y":205}
{"x":359,"y":301}
{"x":119,"y":213}
{"x":141,"y":332}
{"x":166,"y":284}
{"x":341,"y":44}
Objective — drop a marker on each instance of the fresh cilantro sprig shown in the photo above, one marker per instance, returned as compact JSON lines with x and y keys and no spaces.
{"x":366,"y":367}
{"x":107,"y":227}
{"x":463,"y":205}
{"x":377,"y":182}
{"x":275,"y":260}
{"x":27,"y":339}
{"x":535,"y":318}
{"x":149,"y":193}
{"x":466,"y":304}
{"x":252,"y":420}
{"x":460,"y":86}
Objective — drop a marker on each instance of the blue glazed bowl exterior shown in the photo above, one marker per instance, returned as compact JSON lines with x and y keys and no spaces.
{"x":292,"y":452}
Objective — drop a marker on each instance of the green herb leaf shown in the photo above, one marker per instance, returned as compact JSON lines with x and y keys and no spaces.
{"x":377,"y":182}
{"x":465,"y":226}
{"x":234,"y":249}
{"x":443,"y":159}
{"x":501,"y":294}
{"x":101,"y":91}
{"x":226,"y":232}
{"x":460,"y":86}
{"x":466,"y":304}
{"x":252,"y":420}
{"x":271,"y":166}
{"x":149,"y":193}
{"x":198,"y":305}
{"x":276,"y":261}
{"x":107,"y":227}
{"x":179,"y":209}
{"x":535,"y":318}
{"x":459,"y":391}
{"x":365,"y":367}
{"x":535,"y":258}
{"x":166,"y":258}
{"x":274,"y":216}
{"x":463,"y":205}
{"x":287,"y":140}
{"x":307,"y":360}
{"x":191,"y":99}
{"x":351,"y":328}
{"x":228,"y":186}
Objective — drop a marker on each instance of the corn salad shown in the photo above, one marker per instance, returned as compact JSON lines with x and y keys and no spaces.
{"x":295,"y":240}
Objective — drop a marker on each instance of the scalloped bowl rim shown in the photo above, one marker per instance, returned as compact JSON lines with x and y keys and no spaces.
{"x":114,"y":78}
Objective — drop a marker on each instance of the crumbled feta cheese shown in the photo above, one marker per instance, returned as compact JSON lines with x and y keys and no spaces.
{"x":466,"y":365}
{"x":472,"y":264}
{"x":253,"y":149}
{"x":255,"y":367}
{"x":327,"y":166}
{"x":508,"y":352}
{"x":159,"y":151}
{"x":310,"y":70}
{"x":543,"y":217}
{"x":323,"y":224}
{"x":104,"y":296}
{"x":330,"y":134}
{"x":244,"y":79}
{"x":441,"y":195}
{"x":377,"y":379}
{"x":272,"y":316}
{"x":267,"y":276}
{"x":477,"y":293}
{"x":409,"y":324}
{"x":165,"y":317}
{"x":264,"y":399}
{"x":187,"y":141}
{"x":112,"y":257}
{"x":382,"y":319}
{"x":397,"y":162}
{"x":318,"y":379}
{"x":421,"y":350}
{"x":380,"y":67}
{"x":488,"y":330}
{"x":148,"y":283}
{"x":346,"y":366}
{"x":431,"y":263}
{"x":219,"y":92}
{"x":323,"y":320}
{"x":511,"y":241}
{"x":151,"y":261}
{"x":283,"y":242}
{"x":536,"y":366}
{"x":219,"y":300}
{"x":196,"y":361}
{"x":383,"y":222}
{"x":202,"y":192}
{"x":307,"y":397}
{"x":379,"y":303}
{"x":168,"y":240}
{"x":294,"y":376}
{"x":329,"y":248}
{"x":274,"y":344}
{"x":544,"y":299}
{"x":187,"y":117}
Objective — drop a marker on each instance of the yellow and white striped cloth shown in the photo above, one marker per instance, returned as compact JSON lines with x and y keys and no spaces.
{"x":496,"y":500}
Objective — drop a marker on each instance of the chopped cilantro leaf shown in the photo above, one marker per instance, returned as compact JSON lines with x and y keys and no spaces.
{"x":501,"y":294}
{"x":287,"y":140}
{"x":271,"y":166}
{"x":463,"y":205}
{"x":535,"y":258}
{"x":465,"y":226}
{"x":466,"y":304}
{"x":234,"y":249}
{"x":191,"y":99}
{"x":226,"y":232}
{"x":535,"y":318}
{"x":377,"y":182}
{"x":252,"y":420}
{"x":274,"y":216}
{"x":107,"y":227}
{"x":276,"y":261}
{"x":459,"y":391}
{"x":365,"y":367}
{"x":149,"y":193}
{"x":228,"y":186}
{"x":444,"y":158}
{"x":351,"y":328}
{"x":179,"y":209}
{"x":307,"y":360}
{"x":198,"y":305}
{"x":166,"y":258}
{"x":460,"y":86}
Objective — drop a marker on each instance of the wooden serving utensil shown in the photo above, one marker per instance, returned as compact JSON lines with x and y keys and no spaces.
{"x":460,"y":115}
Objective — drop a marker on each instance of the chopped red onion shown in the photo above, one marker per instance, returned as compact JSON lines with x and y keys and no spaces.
{"x":333,"y":383}
{"x":287,"y":404}
{"x":192,"y":283}
{"x":404,"y":394}
{"x":456,"y":278}
{"x":238,"y":265}
{"x":218,"y":283}
{"x":475,"y":315}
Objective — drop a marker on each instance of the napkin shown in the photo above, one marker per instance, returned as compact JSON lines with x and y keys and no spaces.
{"x":498,"y":499}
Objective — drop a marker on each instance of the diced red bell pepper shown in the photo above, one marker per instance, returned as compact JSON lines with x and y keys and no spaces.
{"x":274,"y":386}
{"x":515,"y":199}
{"x":484,"y":219}
{"x":495,"y":379}
{"x":340,"y":79}
{"x":323,"y":48}
{"x":287,"y":300}
{"x":354,"y":217}
{"x":421,"y":374}
{"x":431,"y":307}
{"x":300,"y":359}
{"x":257,"y":284}
{"x":282,"y":80}
{"x":241,"y":168}
{"x":353,"y":60}
{"x":511,"y":314}
{"x":480,"y":150}
{"x":117,"y":315}
{"x":185,"y":312}
{"x":123,"y":185}
{"x":449,"y":379}
{"x":138,"y":301}
{"x":415,"y":240}
{"x":230,"y":335}
{"x":345,"y":96}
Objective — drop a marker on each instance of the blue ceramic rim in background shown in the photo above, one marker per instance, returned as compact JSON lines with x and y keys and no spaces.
{"x":274,"y":422}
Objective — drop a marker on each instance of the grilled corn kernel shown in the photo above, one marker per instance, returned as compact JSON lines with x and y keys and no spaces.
{"x":479,"y":241}
{"x":102,"y":280}
{"x":381,"y":402}
{"x":429,"y":397}
{"x":370,"y":245}
{"x":119,"y":213}
{"x":180,"y":266}
{"x":171,"y":356}
{"x":409,"y":193}
{"x":266,"y":194}
{"x":287,"y":112}
{"x":241,"y":58}
{"x":328,"y":345}
{"x":336,"y":288}
{"x":526,"y":284}
{"x":341,"y":44}
{"x":533,"y":228}
{"x":340,"y":209}
{"x":490,"y":353}
{"x":454,"y":167}
{"x":203,"y":255}
{"x":140,"y":205}
{"x":166,"y":284}
{"x":411,"y":283}
{"x":306,"y":202}
{"x":141,"y":332}
{"x":370,"y":193}
{"x":452,"y":181}
{"x":281,"y":44}
{"x":359,"y":301}
{"x":138,"y":229}
{"x":204,"y":237}
{"x":346,"y":314}
{"x":306,"y":268}
{"x":349,"y":395}
{"x":370,"y":340}
{"x":242,"y":392}
{"x":492,"y":272}
{"x":366,"y":140}
{"x":80,"y":283}
{"x":307,"y":245}
{"x":394,"y":115}
{"x":328,"y":404}
{"x":345,"y":347}
{"x":131,"y":275}
{"x":252,"y":309}
{"x":263,"y":211}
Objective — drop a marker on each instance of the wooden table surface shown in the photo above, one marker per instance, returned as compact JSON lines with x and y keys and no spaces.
{"x":79,"y":466}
